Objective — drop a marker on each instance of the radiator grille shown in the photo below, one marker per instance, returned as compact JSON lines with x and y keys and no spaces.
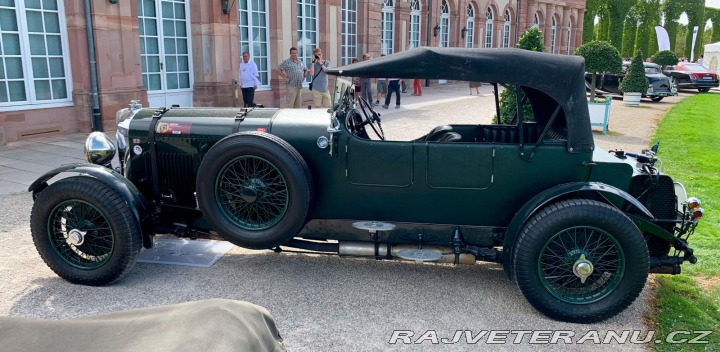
{"x":659,"y":199}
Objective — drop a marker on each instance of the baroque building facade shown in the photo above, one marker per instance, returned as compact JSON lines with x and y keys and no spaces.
{"x":186,"y":52}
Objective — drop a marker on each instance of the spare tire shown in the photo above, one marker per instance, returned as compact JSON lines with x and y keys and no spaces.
{"x":254,"y":189}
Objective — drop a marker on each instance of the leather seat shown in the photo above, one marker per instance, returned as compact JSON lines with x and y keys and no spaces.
{"x":438,"y":132}
{"x":449,"y":137}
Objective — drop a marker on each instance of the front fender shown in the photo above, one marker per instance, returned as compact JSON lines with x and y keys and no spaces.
{"x":116,"y":181}
{"x":548,"y":196}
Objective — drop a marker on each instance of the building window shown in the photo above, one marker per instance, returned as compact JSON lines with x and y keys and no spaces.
{"x":388,"y":26}
{"x":506,"y":30}
{"x":349,"y":31}
{"x":489,"y":28}
{"x":415,"y":8}
{"x":253,"y":19}
{"x":444,"y":25}
{"x":470,"y":26}
{"x":306,"y":31}
{"x":569,"y":37}
{"x":34,"y":68}
{"x":536,"y":22}
{"x":552,"y":35}
{"x":164,"y":47}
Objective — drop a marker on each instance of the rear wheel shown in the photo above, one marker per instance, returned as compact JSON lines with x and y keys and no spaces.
{"x":580,"y":261}
{"x":703,"y":90}
{"x":656,"y":99}
{"x":255,"y":189}
{"x":85,"y":231}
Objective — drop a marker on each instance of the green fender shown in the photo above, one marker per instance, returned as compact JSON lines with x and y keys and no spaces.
{"x":116,"y":181}
{"x":548,"y":196}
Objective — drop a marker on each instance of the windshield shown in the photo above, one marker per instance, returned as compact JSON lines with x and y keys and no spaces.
{"x":695,"y":68}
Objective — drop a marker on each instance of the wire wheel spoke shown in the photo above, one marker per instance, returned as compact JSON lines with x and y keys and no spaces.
{"x":252,"y":192}
{"x":97,"y":243}
{"x":580,"y":247}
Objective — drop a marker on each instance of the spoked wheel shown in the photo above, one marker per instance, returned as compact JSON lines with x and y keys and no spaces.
{"x":252,"y":192}
{"x":85,"y":231}
{"x":254,"y":189}
{"x":580,"y":261}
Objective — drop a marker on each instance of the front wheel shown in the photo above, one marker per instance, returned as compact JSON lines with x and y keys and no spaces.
{"x":656,"y":99}
{"x":85,"y":231}
{"x":703,"y":90}
{"x":580,"y":261}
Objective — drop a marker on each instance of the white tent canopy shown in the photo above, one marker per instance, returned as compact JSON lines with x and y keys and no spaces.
{"x":711,"y":57}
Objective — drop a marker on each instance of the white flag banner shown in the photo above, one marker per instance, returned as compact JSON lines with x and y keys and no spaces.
{"x":662,"y":38}
{"x":692,"y":51}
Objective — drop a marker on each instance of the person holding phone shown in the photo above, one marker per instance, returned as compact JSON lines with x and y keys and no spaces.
{"x":319,"y":82}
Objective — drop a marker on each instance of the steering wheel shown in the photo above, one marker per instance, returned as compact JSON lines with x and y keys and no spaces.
{"x":371,"y":118}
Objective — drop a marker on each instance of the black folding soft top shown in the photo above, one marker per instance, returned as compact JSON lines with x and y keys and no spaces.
{"x":561,"y":77}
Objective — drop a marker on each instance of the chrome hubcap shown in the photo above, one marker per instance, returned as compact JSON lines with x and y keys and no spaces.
{"x":76,"y":237}
{"x":582,"y":268}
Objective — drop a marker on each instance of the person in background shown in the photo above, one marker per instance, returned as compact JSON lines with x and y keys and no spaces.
{"x":294,"y":71}
{"x":700,"y":60}
{"x":320,"y":92}
{"x":417,"y":87}
{"x":248,"y":77}
{"x":382,"y":88}
{"x":393,"y":86}
{"x":356,"y":82}
{"x":475,"y":85}
{"x":366,"y":84}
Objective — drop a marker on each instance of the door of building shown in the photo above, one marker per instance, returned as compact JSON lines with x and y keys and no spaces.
{"x":165,"y":52}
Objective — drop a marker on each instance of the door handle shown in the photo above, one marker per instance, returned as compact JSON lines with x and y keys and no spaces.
{"x":161,"y":66}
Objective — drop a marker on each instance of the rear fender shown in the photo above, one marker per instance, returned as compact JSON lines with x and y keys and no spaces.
{"x":550,"y":195}
{"x":120,"y":184}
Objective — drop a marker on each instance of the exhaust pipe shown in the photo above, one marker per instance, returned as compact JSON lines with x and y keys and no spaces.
{"x":367,"y":249}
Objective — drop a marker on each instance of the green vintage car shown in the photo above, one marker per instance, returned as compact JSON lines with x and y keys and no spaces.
{"x":578,"y":228}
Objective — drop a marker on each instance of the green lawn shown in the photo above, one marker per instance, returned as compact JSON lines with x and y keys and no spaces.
{"x":689,"y":138}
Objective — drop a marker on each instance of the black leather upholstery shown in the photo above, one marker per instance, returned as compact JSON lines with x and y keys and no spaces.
{"x":450,"y":137}
{"x":438,"y":132}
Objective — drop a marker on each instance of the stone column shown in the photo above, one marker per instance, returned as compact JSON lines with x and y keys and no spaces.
{"x":117,"y":52}
{"x":547,"y":31}
{"x":215,"y":53}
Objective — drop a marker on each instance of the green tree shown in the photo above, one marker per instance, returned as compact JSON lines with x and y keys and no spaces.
{"x":635,"y":80}
{"x":629,"y":33}
{"x":600,"y":56}
{"x":531,"y":39}
{"x":664,"y":58}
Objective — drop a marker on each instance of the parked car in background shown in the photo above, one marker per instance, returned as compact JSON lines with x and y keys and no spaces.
{"x":689,"y":75}
{"x":659,"y":85}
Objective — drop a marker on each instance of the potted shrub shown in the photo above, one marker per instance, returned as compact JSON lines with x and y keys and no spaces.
{"x":600,"y":57}
{"x":664,"y":58}
{"x":531,"y":39}
{"x":635,"y":83}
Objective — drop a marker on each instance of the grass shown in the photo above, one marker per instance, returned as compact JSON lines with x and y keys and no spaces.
{"x":689,"y":138}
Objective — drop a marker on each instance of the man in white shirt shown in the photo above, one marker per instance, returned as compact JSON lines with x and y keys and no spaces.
{"x":248,"y":79}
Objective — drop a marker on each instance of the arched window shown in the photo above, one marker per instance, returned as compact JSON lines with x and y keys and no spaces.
{"x":415,"y":8}
{"x":506,"y":30}
{"x":470,"y":26}
{"x":253,"y":19}
{"x":444,"y":24}
{"x":569,"y":37}
{"x":306,"y":30}
{"x":349,"y":31}
{"x":388,"y":26}
{"x":553,"y":31}
{"x":536,"y":22}
{"x":489,"y":28}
